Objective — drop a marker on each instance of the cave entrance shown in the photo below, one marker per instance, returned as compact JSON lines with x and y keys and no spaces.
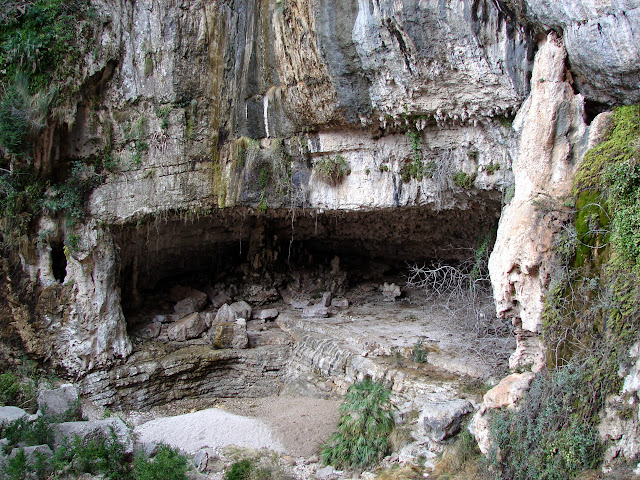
{"x":247,"y":304}
{"x":235,"y":245}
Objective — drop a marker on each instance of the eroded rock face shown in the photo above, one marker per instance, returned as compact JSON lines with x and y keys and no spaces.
{"x":79,"y":316}
{"x":592,"y":31}
{"x":237,"y":104}
{"x":553,"y":139}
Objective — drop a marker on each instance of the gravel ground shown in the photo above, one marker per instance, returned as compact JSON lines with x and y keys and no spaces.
{"x":293,"y":425}
{"x":208,"y":428}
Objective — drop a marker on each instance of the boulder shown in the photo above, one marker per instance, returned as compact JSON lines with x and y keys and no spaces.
{"x":326,"y":299}
{"x":259,"y":295}
{"x":443,"y":419}
{"x":32,"y":453}
{"x":209,"y":318}
{"x":504,"y":395}
{"x":225,"y":315}
{"x":204,"y":458}
{"x":220,"y":299}
{"x":164,"y":319}
{"x":390,"y":292}
{"x":192,"y":326}
{"x":63,"y":400}
{"x":195,"y":302}
{"x":89,"y":430}
{"x":508,"y":391}
{"x":242,"y":309}
{"x":315,"y":311}
{"x":299,"y":304}
{"x":230,"y":335}
{"x":265,"y":314}
{"x":327,"y":473}
{"x":339,"y":302}
{"x":148,"y":331}
{"x":11,"y":414}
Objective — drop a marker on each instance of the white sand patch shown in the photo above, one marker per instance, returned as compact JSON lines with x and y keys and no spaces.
{"x":208,"y":428}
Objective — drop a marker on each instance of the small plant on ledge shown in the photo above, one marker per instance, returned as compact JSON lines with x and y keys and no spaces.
{"x":464,"y":180}
{"x":332,"y":169}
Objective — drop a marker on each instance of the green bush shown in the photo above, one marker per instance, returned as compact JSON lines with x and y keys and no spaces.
{"x":17,"y":467}
{"x":9,"y":389}
{"x":104,"y":455}
{"x":168,"y":464}
{"x":366,"y":421}
{"x":240,"y":470}
{"x":420,"y":352}
{"x":38,"y":432}
{"x":551,"y":436}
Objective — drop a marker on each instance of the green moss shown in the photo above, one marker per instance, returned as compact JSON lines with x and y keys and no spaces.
{"x":619,"y":147}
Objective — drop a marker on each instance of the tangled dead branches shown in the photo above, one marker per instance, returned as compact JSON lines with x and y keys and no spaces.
{"x":464,"y":293}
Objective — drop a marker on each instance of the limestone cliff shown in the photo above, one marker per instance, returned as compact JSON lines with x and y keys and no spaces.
{"x":397,"y":130}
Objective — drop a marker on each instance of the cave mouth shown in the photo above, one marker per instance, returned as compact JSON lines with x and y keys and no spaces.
{"x":58,"y":262}
{"x":303,"y":295}
{"x":238,"y":246}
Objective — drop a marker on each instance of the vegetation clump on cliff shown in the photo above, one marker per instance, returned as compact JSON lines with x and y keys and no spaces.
{"x":40,"y":63}
{"x":591,"y":318}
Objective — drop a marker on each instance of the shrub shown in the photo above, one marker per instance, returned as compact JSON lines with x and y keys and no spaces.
{"x":9,"y":389}
{"x":552,"y":436}
{"x":419,"y":352}
{"x":100,"y":455}
{"x":240,"y":470}
{"x":332,"y":169}
{"x":17,"y":467}
{"x":366,"y":421}
{"x":168,"y":464}
{"x":38,"y":432}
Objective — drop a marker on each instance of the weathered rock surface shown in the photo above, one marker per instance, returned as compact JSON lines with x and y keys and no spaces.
{"x":265,"y":314}
{"x":149,"y":330}
{"x":195,"y":302}
{"x":315,"y":311}
{"x":11,"y":414}
{"x":153,"y":378}
{"x":592,"y":30}
{"x":81,"y":319}
{"x":241,"y":310}
{"x":509,"y":391}
{"x":60,"y":401}
{"x":230,"y":335}
{"x":390,"y":291}
{"x":553,"y":138}
{"x":620,"y":426}
{"x":32,"y":453}
{"x":442,"y":420}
